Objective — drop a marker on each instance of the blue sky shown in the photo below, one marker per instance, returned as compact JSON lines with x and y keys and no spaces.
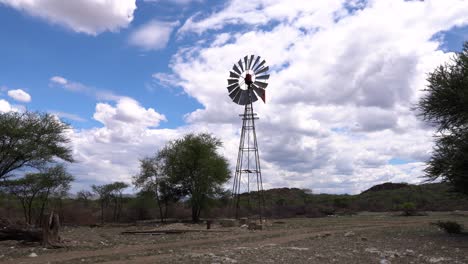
{"x":131,"y":75}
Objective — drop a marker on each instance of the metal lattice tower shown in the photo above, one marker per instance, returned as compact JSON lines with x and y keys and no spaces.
{"x":246,"y":83}
{"x":248,"y":176}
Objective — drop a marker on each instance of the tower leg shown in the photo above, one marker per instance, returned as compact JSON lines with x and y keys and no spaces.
{"x":248,"y":165}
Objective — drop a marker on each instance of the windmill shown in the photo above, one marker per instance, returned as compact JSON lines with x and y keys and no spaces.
{"x":247,"y":81}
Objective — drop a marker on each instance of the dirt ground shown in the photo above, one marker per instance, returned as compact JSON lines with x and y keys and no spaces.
{"x":364,"y":238}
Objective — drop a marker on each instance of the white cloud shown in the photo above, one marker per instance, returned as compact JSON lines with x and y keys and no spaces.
{"x":85,"y":16}
{"x":19,"y":95}
{"x":338,"y":110}
{"x":111,"y":152}
{"x":178,"y":2}
{"x":70,"y":116}
{"x":341,"y":89}
{"x":153,"y":35}
{"x":5,"y":106}
{"x":59,"y":81}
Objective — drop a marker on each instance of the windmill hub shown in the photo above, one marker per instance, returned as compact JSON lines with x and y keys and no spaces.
{"x":248,"y":79}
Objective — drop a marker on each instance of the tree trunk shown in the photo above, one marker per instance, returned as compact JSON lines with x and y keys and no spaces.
{"x":159,"y":207}
{"x":44,"y":203}
{"x":102,"y":212}
{"x":195,"y":215}
{"x":50,"y":230}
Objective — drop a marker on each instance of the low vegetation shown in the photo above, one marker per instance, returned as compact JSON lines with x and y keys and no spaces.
{"x":450,"y":227}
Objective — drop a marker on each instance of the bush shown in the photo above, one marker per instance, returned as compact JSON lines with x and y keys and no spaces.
{"x":450,"y":227}
{"x":408,"y":209}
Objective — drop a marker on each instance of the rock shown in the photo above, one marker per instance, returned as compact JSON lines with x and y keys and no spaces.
{"x":243,"y":221}
{"x":372,"y":250}
{"x":391,"y":254}
{"x":437,"y":260}
{"x":255,"y":226}
{"x":364,"y":238}
{"x":228,"y":222}
{"x":384,"y":261}
{"x":349,"y":234}
{"x":32,"y":255}
{"x":298,"y":248}
{"x":244,"y":226}
{"x":409,"y":252}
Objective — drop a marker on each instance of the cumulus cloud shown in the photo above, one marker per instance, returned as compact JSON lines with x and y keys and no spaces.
{"x":19,"y":95}
{"x":338,"y":104}
{"x":111,"y":152}
{"x":153,"y":35}
{"x":5,"y":106}
{"x":341,"y":88}
{"x":86,"y":16}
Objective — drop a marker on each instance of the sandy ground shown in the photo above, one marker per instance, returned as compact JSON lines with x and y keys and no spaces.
{"x":363,"y":238}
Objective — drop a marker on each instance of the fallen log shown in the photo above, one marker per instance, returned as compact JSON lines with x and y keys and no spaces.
{"x":48,"y":235}
{"x":28,"y":235}
{"x":170,"y":231}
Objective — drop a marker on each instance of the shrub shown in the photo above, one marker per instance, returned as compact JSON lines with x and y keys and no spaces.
{"x":450,"y":227}
{"x":408,"y":208}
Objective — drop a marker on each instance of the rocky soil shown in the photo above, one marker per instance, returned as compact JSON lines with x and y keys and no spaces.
{"x":364,"y":238}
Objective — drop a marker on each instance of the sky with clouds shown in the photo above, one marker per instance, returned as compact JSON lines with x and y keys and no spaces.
{"x":129,"y":76}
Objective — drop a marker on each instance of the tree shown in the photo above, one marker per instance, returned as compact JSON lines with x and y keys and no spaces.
{"x":38,"y":187}
{"x":104,"y":193}
{"x":116,"y":195}
{"x":445,"y":105}
{"x":56,"y":183}
{"x":31,"y":140}
{"x":194,"y":165}
{"x":107,"y":193}
{"x":152,"y":178}
{"x":84,"y":196}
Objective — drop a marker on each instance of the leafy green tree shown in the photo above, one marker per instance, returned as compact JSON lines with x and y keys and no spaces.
{"x":31,"y":140}
{"x":193,"y":164}
{"x":445,"y":105}
{"x":56,"y":183}
{"x":152,"y":178}
{"x":38,"y":187}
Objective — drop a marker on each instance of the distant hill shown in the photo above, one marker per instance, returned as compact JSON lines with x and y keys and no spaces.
{"x":290,"y":202}
{"x":386,"y":186}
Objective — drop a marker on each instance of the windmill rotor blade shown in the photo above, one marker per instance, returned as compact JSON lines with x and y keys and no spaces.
{"x":260,"y":92}
{"x":231,"y":81}
{"x":263,"y":77}
{"x":256,"y":61}
{"x":246,"y":62}
{"x":243,"y":97}
{"x":250,"y":62}
{"x":237,"y":96}
{"x":232,"y":87}
{"x":234,"y":94}
{"x":261,"y":84}
{"x":236,"y":69}
{"x":240,"y":65}
{"x":264,"y":69}
{"x":253,"y":97}
{"x":233,"y":75}
{"x":260,"y":65}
